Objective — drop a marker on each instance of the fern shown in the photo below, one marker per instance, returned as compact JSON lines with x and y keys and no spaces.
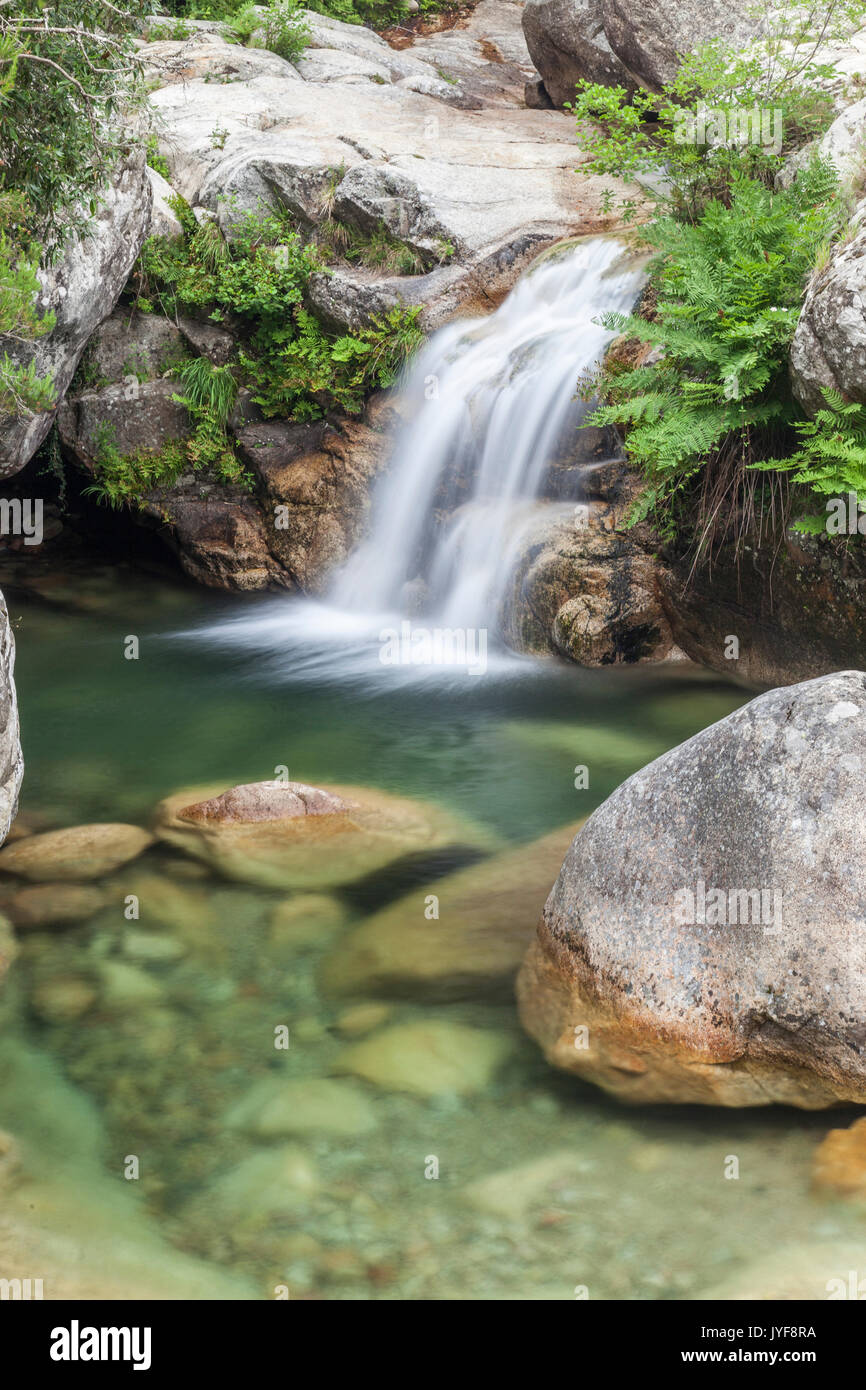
{"x":729,"y":288}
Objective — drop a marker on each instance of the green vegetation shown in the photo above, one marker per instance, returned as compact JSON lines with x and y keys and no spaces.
{"x":377,"y":14}
{"x":122,"y":479}
{"x":68,"y":83}
{"x":292,"y":364}
{"x":710,"y":417}
{"x":280,"y":28}
{"x":66,"y":74}
{"x":22,"y":391}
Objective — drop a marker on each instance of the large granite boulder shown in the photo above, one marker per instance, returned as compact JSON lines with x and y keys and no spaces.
{"x":652,"y":36}
{"x":828,"y":350}
{"x":626,"y":43}
{"x":706,"y":938}
{"x":567,"y":43}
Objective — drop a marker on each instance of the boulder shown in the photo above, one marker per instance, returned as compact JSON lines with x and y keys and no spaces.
{"x":290,"y":835}
{"x":141,"y":417}
{"x":11,"y":760}
{"x":475,"y":944}
{"x":567,"y":43}
{"x":842,"y":145}
{"x":651,"y":36}
{"x":81,"y":288}
{"x":828,"y":350}
{"x":129,"y":344}
{"x":704,"y":941}
{"x":78,"y":852}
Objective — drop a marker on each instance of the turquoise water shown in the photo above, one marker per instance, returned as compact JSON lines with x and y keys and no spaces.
{"x":543,"y":1183}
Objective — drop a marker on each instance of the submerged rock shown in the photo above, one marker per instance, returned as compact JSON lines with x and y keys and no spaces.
{"x":54,"y":905}
{"x":69,"y":1220}
{"x":62,"y":1000}
{"x":476,"y":943}
{"x":271,"y":1183}
{"x":318,"y":1105}
{"x":290,"y":835}
{"x":513,"y":1192}
{"x":840,"y":1162}
{"x":8,"y":945}
{"x":78,"y":852}
{"x":814,"y":1271}
{"x":428,"y":1058}
{"x":705,"y":939}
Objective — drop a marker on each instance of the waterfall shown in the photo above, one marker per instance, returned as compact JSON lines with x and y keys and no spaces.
{"x":488,"y":402}
{"x":487,"y":406}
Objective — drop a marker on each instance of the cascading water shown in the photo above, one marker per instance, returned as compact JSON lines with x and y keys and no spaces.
{"x":488,"y":402}
{"x":486,"y":405}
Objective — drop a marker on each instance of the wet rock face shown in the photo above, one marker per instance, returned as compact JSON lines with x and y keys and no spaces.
{"x":581,"y":587}
{"x":81,"y":289}
{"x":11,"y":760}
{"x":705,"y":941}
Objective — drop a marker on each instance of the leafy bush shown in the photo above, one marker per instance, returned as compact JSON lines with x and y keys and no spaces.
{"x":710,"y":418}
{"x":281,"y":25}
{"x":293,"y":365}
{"x":727,"y":113}
{"x":65,"y":106}
{"x":121,"y":479}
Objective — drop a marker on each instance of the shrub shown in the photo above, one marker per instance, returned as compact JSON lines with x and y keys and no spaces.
{"x":293,"y":365}
{"x":281,"y":25}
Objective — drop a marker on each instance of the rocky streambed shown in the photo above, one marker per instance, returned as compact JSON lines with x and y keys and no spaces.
{"x":226,"y":1074}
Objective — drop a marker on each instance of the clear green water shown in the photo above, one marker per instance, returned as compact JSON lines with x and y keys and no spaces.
{"x":635,"y":1206}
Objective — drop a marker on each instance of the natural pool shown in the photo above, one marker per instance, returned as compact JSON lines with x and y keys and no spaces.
{"x":543,"y":1184}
